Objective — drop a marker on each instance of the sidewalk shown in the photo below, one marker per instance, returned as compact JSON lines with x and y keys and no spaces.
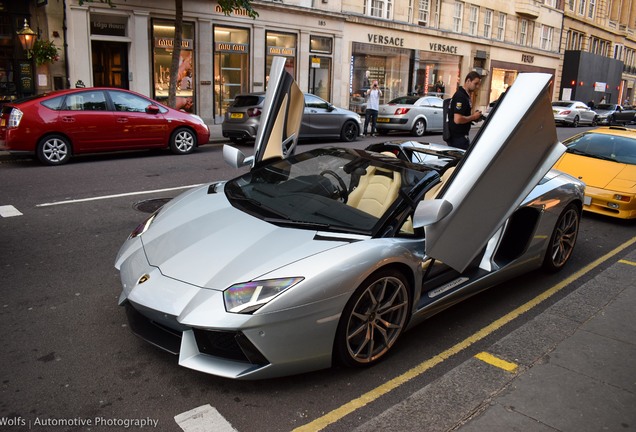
{"x":576,"y":371}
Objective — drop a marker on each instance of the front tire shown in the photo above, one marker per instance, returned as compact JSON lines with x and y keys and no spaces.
{"x":575,"y":122}
{"x":419,"y":128}
{"x":563,"y":239}
{"x":54,"y":150}
{"x":349,"y":132}
{"x":183,"y":141}
{"x":373,"y":319}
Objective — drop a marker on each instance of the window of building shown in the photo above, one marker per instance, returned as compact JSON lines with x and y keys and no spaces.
{"x":473,"y":20}
{"x":424,"y":11}
{"x":488,"y":23}
{"x":284,"y":45}
{"x":570,"y":4}
{"x":231,"y":66}
{"x":379,"y":8}
{"x":163,"y":41}
{"x":457,"y":17}
{"x":320,"y":48}
{"x":618,"y":51}
{"x":524,"y":38}
{"x":591,"y":9}
{"x":546,"y":37}
{"x":581,"y":10}
{"x":574,"y":40}
{"x":551,"y":3}
{"x":501,"y":26}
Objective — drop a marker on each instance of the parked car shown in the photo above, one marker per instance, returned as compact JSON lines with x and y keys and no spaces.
{"x":321,"y":119}
{"x":331,"y":254}
{"x":573,"y":113}
{"x":613,"y":114}
{"x":58,"y":125}
{"x":417,"y":114}
{"x":605,"y":159}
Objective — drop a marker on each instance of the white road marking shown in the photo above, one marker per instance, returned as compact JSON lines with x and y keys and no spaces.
{"x":9,"y":211}
{"x":203,"y":419}
{"x":115,"y":196}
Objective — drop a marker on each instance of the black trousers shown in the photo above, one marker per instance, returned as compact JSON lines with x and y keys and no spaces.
{"x":461,"y":141}
{"x":370,"y":114}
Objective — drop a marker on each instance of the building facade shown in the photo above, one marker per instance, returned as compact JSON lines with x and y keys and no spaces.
{"x":334,"y":48}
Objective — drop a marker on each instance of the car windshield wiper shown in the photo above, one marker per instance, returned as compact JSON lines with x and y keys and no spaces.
{"x":287,"y":221}
{"x":259,"y":205}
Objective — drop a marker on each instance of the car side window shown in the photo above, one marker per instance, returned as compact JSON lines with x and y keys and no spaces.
{"x":86,"y":101}
{"x":54,"y":103}
{"x":314,"y":102}
{"x":127,"y":102}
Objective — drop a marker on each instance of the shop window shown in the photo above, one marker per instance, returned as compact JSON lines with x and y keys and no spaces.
{"x":163,"y":42}
{"x":231,"y":66}
{"x":437,"y":76}
{"x":320,"y":66}
{"x":281,"y":45}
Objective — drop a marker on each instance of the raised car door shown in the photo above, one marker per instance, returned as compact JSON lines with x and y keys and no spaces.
{"x":281,"y":117}
{"x":510,"y":155}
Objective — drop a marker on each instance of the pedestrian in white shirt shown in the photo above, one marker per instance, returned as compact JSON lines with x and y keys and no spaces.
{"x":373,"y":105}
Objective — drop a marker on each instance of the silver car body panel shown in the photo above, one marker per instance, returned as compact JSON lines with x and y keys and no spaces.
{"x":426,"y":108}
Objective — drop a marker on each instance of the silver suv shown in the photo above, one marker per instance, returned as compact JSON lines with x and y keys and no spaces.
{"x":321,"y":119}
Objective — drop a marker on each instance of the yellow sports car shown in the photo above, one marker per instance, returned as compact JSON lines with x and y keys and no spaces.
{"x":605,"y":159}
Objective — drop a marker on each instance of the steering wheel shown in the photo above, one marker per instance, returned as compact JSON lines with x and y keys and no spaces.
{"x":341,"y":187}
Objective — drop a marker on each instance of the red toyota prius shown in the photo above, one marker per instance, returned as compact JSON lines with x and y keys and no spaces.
{"x":57,"y":125}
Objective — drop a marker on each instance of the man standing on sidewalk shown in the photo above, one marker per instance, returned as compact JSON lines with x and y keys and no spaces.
{"x":460,"y":116}
{"x":373,"y":105}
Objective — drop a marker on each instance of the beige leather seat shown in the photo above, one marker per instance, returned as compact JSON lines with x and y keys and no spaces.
{"x":377,"y":190}
{"x":432,"y":194}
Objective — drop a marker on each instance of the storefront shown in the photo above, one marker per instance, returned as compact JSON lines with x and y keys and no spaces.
{"x":389,"y":65}
{"x":231,"y":66}
{"x":163,"y":42}
{"x":320,"y":61}
{"x":437,"y":74}
{"x":504,"y":73}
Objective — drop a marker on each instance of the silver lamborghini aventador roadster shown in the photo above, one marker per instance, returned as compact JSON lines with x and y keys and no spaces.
{"x":330,"y":255}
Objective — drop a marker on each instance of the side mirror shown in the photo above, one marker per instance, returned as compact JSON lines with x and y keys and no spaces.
{"x":330,"y":107}
{"x":235,"y":158}
{"x":429,"y":212}
{"x":152,"y":109}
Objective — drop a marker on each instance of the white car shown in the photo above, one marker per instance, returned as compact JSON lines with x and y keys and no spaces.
{"x":573,"y":113}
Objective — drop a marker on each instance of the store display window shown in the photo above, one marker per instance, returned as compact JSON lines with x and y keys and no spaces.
{"x":231,"y":66}
{"x":163,"y":42}
{"x":438,"y":75}
{"x":281,"y":45}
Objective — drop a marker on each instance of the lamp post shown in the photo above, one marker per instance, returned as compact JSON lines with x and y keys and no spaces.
{"x":27,"y":37}
{"x":25,"y":69}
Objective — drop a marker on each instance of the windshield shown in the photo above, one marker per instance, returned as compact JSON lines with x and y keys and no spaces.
{"x":602,"y":146}
{"x":327,"y":189}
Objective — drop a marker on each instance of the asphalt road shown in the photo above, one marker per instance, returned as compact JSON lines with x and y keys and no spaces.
{"x":69,"y":362}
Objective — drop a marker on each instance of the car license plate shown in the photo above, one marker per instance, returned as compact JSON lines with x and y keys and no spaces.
{"x":383,"y":120}
{"x":587,"y":200}
{"x":236,"y":115}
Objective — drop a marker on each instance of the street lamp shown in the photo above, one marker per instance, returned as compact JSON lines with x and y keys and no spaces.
{"x":27,"y":37}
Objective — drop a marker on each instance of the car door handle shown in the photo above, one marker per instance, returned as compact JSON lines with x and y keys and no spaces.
{"x":68,"y":119}
{"x":122,"y":120}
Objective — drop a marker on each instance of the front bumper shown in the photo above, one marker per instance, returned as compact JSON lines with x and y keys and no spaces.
{"x":603,"y":202}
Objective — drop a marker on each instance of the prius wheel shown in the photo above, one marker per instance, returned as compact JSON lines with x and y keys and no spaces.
{"x":419,"y":128}
{"x":563,"y":239}
{"x":183,"y":141}
{"x":349,"y":132}
{"x":54,"y":150}
{"x":373,"y":319}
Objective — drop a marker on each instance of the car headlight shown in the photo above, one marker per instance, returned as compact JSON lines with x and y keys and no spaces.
{"x":143,"y":227}
{"x":250,"y":296}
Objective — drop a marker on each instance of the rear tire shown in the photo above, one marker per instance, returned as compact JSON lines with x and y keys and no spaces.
{"x":419,"y":128}
{"x":563,"y":239}
{"x":575,"y":122}
{"x":183,"y":141}
{"x":54,"y":150}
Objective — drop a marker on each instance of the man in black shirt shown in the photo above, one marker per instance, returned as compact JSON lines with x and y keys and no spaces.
{"x":460,"y":115}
